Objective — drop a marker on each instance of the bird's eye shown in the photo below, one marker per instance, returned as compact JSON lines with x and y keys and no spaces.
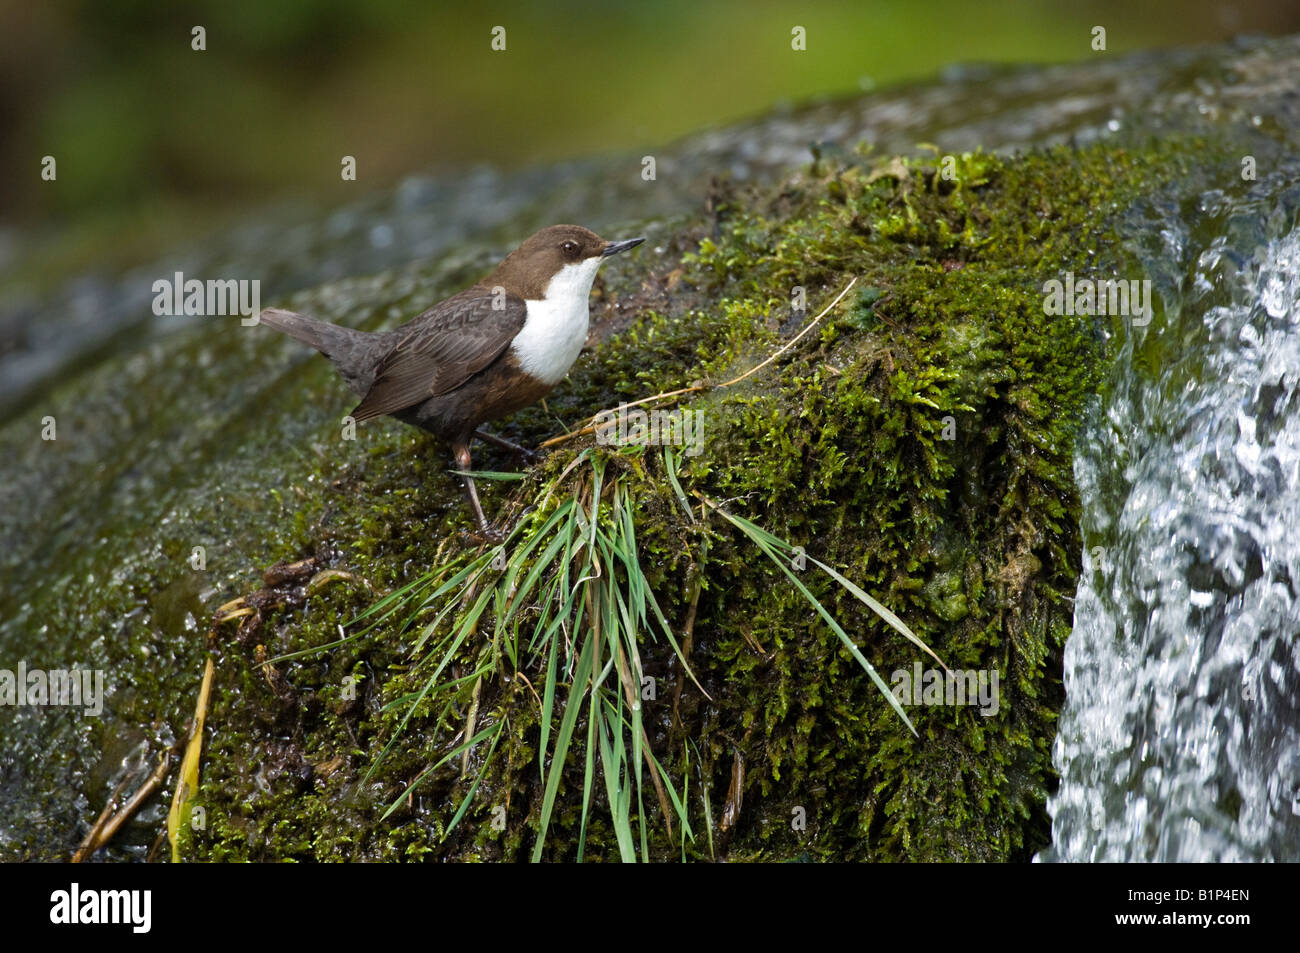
{"x":570,"y":249}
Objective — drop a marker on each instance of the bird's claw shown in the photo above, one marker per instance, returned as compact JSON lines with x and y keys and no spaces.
{"x":491,"y":535}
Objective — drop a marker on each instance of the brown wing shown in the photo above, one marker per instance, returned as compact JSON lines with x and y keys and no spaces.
{"x":441,"y":349}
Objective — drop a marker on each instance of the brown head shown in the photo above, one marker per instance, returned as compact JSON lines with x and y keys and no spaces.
{"x":528,"y":270}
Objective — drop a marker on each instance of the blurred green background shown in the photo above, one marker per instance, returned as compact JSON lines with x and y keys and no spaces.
{"x":151,"y":136}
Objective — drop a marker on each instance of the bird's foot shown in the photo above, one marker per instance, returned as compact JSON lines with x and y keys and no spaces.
{"x":488,"y":534}
{"x":529,"y":456}
{"x":492,"y":534}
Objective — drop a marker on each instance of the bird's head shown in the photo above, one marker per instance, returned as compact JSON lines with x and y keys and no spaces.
{"x":558,"y":260}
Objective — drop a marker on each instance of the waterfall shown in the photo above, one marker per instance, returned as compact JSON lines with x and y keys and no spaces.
{"x":1180,"y":737}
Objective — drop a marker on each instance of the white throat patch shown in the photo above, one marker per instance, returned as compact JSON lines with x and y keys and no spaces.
{"x":556,"y":326}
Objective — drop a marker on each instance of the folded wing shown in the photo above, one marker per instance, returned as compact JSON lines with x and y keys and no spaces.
{"x":442,"y":349}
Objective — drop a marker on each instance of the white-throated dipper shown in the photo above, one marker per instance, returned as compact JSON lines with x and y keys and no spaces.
{"x":486,"y":352}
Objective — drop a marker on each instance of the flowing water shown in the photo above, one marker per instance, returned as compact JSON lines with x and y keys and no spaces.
{"x":1180,"y":739}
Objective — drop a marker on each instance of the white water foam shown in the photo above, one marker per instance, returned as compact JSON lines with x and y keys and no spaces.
{"x":1180,"y":737}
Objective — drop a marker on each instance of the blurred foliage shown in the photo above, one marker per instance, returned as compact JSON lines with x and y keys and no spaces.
{"x":138,"y":120}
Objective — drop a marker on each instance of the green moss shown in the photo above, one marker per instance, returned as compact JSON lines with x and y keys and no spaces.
{"x":920,"y":441}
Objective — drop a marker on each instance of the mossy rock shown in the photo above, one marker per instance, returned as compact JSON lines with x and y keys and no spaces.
{"x":919,"y":439}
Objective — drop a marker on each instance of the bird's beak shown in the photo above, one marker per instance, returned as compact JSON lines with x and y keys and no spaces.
{"x":613,"y":248}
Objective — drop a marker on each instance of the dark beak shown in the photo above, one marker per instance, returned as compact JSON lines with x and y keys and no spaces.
{"x":613,"y":248}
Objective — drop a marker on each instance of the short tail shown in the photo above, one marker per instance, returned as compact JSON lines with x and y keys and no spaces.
{"x":352,"y":352}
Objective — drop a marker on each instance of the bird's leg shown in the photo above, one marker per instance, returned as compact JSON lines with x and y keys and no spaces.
{"x":461,"y":453}
{"x":530,"y":456}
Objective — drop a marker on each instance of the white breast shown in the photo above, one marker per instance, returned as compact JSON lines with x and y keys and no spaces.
{"x":556,"y":326}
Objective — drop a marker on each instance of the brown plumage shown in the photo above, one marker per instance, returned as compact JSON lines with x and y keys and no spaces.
{"x":468,"y":360}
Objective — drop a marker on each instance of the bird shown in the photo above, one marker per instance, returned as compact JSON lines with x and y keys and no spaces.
{"x":490,"y":350}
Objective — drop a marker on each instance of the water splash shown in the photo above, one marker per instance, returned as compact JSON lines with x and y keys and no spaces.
{"x":1180,"y":739}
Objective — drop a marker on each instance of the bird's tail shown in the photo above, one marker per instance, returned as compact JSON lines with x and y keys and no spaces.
{"x":351,"y":351}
